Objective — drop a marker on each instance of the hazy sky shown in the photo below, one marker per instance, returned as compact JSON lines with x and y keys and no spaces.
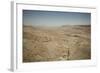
{"x":55,"y":18}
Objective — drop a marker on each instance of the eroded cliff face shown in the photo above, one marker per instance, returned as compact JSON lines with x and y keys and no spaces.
{"x":55,"y":44}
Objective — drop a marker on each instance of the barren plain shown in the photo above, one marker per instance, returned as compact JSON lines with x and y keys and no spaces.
{"x":68,"y":42}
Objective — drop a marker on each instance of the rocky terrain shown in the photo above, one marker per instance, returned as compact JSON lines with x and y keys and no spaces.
{"x":56,"y":43}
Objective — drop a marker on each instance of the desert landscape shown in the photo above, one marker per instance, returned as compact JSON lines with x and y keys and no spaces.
{"x":67,"y":42}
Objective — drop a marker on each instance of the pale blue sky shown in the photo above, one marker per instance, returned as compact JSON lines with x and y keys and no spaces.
{"x":55,"y":18}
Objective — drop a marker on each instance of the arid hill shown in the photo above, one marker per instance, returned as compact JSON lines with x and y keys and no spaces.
{"x":55,"y":44}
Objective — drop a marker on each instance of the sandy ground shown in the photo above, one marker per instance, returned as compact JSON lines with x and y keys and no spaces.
{"x":55,"y":44}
